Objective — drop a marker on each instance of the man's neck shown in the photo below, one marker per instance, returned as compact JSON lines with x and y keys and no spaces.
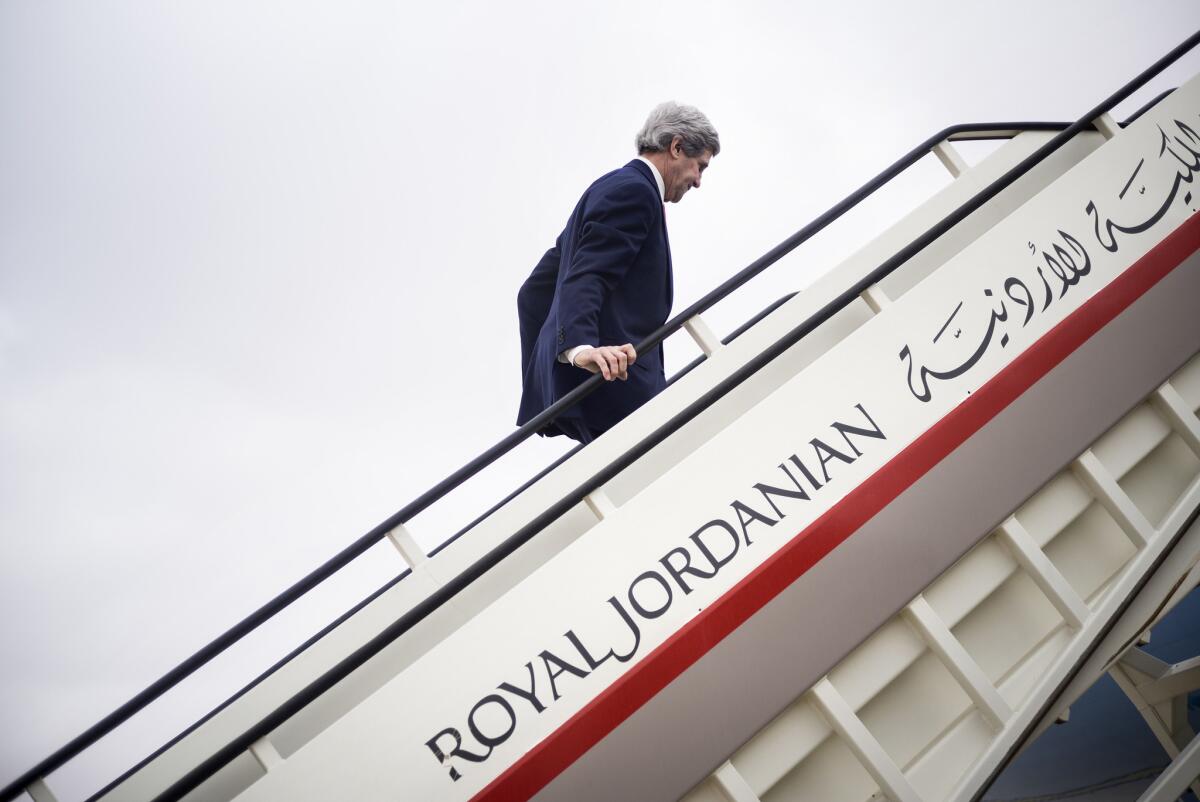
{"x":658,"y":162}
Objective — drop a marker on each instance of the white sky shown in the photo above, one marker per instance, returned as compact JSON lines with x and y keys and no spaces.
{"x":258,"y":266}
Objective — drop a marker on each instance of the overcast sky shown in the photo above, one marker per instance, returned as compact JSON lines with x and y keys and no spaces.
{"x":258,"y":266}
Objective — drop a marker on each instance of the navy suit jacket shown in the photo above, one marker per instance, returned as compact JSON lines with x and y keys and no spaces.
{"x":606,"y":281}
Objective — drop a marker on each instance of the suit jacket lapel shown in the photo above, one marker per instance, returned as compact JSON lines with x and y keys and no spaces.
{"x":670,"y":271}
{"x":644,"y":172}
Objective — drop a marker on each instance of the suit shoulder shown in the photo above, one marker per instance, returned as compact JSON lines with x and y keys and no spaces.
{"x":625,"y":186}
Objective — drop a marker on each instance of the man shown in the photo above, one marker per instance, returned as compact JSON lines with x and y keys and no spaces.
{"x":606,"y":284}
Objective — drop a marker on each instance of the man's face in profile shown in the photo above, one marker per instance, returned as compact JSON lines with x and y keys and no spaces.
{"x":683,"y":171}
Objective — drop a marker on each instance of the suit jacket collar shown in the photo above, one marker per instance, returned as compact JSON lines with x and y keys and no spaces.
{"x":643,"y":170}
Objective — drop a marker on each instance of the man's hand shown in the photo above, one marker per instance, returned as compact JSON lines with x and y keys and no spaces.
{"x":613,"y":361}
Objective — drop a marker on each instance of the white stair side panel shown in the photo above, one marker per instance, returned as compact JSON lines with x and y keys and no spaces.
{"x":1059,"y":669}
{"x":1154,"y":484}
{"x":786,"y":753}
{"x":1113,"y":498}
{"x":862,"y":743}
{"x":1127,"y":443}
{"x":957,"y":661}
{"x":733,"y":785}
{"x":1090,"y":551}
{"x":1152,"y":601}
{"x":1178,"y":413}
{"x":789,"y":738}
{"x":1042,"y":571}
{"x":832,"y":773}
{"x":483,"y":537}
{"x":1052,"y":509}
{"x":737,"y":462}
{"x":1186,"y":382}
{"x":707,"y":791}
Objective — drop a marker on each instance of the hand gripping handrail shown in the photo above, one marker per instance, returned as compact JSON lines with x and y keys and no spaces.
{"x":477,"y":569}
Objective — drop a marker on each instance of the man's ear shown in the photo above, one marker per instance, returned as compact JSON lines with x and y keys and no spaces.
{"x":677,"y":147}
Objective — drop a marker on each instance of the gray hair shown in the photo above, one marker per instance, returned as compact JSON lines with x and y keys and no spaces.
{"x":669,"y":120}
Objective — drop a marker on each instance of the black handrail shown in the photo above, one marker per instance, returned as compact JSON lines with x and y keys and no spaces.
{"x":360,"y":545}
{"x":423,"y":609}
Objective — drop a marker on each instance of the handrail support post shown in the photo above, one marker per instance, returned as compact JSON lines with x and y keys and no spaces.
{"x":702,"y":334}
{"x":600,"y":504}
{"x":950,"y":158}
{"x":404,"y":542}
{"x":39,"y":791}
{"x":1107,"y":126}
{"x":266,"y":754}
{"x":876,"y":298}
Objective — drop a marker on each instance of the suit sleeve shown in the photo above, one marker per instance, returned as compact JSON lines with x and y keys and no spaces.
{"x":534,"y":298}
{"x":612,"y":233}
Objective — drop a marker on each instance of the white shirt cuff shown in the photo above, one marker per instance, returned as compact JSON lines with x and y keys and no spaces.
{"x":568,"y":356}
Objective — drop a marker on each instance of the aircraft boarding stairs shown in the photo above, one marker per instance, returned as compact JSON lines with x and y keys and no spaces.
{"x":864,"y":549}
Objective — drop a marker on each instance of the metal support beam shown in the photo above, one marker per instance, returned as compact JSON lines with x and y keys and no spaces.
{"x":950,"y":158}
{"x":1178,"y":413}
{"x":876,"y":298}
{"x":1177,"y":777}
{"x":1180,"y":679}
{"x":1144,"y":663}
{"x":733,"y":785}
{"x":870,"y":753}
{"x":1116,"y":501}
{"x":600,"y":504}
{"x":39,"y":791}
{"x":702,"y":334}
{"x":1190,"y":581}
{"x":1046,"y":576}
{"x":1163,"y":681}
{"x":1135,"y":673}
{"x":1107,"y":126}
{"x":266,"y":754}
{"x":941,"y":641}
{"x":403,"y":540}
